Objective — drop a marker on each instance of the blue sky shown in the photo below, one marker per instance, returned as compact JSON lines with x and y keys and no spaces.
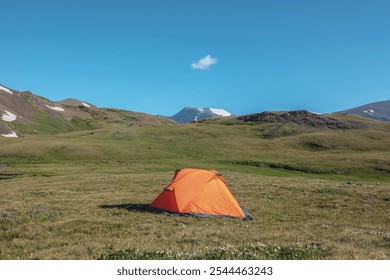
{"x":146,"y":55}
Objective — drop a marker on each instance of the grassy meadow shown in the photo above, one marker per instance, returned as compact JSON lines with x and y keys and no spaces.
{"x":83,"y":195}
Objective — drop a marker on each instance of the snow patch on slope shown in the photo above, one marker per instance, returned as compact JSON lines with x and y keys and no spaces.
{"x":59,"y":109}
{"x":220,"y":112}
{"x":369,"y":112}
{"x":6,"y":90}
{"x":12,"y":134}
{"x":8,"y":116}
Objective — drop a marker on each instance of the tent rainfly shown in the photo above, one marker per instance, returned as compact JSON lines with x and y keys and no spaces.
{"x":201,"y":193}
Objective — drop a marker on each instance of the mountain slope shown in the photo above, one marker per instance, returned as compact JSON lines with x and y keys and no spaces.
{"x":189,"y":114}
{"x":23,"y":113}
{"x":378,"y":111}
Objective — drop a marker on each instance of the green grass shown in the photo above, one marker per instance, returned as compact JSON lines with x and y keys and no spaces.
{"x":353,"y":153}
{"x":73,"y":193}
{"x":242,"y":252}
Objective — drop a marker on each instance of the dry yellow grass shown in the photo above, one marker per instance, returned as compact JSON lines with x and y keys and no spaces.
{"x":84,"y":216}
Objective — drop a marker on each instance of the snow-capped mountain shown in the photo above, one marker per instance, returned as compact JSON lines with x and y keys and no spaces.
{"x":378,"y":111}
{"x":189,"y":114}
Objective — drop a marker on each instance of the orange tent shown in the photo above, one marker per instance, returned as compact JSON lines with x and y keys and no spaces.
{"x":201,"y":193}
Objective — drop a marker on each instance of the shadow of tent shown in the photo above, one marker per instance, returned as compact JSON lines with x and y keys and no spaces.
{"x":134,"y":207}
{"x":149,"y":209}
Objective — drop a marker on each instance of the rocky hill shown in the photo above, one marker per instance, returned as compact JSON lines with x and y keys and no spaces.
{"x":288,"y":123}
{"x":304,"y":118}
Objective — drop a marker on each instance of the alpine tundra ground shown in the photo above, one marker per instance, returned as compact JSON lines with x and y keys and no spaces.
{"x":321,"y":194}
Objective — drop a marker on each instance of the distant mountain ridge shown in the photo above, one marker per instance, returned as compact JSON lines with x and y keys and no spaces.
{"x":189,"y":114}
{"x":24,"y":113}
{"x":379,"y":111}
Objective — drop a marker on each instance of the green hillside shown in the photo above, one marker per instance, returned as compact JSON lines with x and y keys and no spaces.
{"x":237,"y":147}
{"x":36,"y":115}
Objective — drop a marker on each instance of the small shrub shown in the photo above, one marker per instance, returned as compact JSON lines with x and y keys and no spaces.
{"x":384,"y":242}
{"x":135,"y":254}
{"x":333,"y":191}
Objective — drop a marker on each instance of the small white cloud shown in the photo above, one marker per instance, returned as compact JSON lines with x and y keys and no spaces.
{"x":204,"y":63}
